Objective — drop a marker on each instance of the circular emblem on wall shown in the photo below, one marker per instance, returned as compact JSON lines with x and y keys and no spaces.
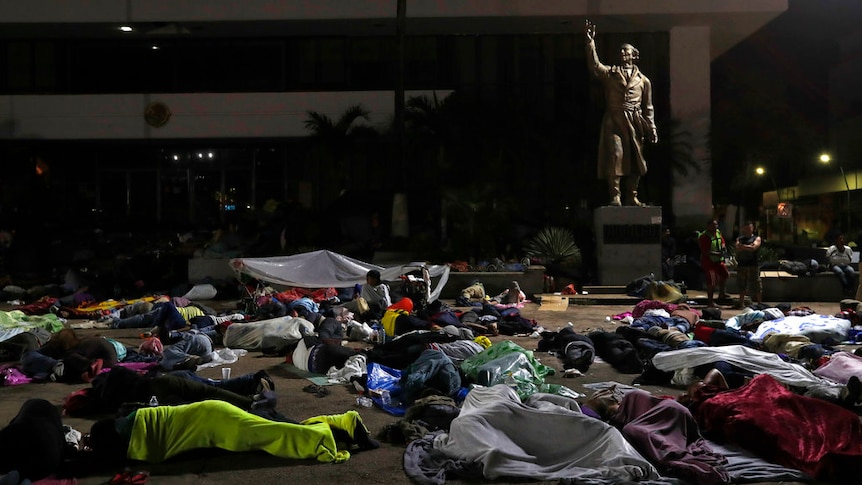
{"x":157,"y":114}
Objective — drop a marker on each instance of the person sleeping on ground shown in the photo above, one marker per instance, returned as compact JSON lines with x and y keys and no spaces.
{"x":113,"y":389}
{"x":155,"y":434}
{"x":33,"y":443}
{"x":68,"y":358}
{"x":164,"y":316}
{"x":316,"y":355}
{"x":399,"y":319}
{"x":819,"y":438}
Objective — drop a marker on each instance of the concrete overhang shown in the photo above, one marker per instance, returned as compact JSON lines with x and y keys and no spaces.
{"x":729,"y":21}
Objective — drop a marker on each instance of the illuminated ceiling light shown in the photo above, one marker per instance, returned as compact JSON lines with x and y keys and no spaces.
{"x":176,"y":157}
{"x":825,"y":158}
{"x":154,"y":47}
{"x":200,"y":155}
{"x":126,"y":28}
{"x":760,"y":170}
{"x":210,"y":154}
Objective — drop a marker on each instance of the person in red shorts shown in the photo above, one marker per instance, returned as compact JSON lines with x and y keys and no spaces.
{"x":712,"y":251}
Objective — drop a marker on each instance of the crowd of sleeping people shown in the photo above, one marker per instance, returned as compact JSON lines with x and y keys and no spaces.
{"x":727,"y":345}
{"x":764,"y":394}
{"x":180,"y":338}
{"x":725,"y":385}
{"x":240,"y":413}
{"x":408,"y":334}
{"x":738,"y":391}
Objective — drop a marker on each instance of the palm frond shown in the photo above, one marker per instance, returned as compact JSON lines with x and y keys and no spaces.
{"x":318,"y":123}
{"x":353,"y":113}
{"x":682,"y":150}
{"x":554,"y":245}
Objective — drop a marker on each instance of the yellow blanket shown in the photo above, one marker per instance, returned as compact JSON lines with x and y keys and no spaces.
{"x":112,"y":304}
{"x":159,"y":433}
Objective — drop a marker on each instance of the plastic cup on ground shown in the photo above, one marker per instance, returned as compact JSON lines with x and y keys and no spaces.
{"x":225,"y":373}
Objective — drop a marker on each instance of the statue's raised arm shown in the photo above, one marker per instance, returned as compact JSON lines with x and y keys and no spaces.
{"x":595,"y":65}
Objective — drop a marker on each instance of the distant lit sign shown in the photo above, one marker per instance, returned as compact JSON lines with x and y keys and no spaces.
{"x":785,"y":210}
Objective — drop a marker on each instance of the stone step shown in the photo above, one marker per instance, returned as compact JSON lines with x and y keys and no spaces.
{"x":605,"y":290}
{"x":694,"y":298}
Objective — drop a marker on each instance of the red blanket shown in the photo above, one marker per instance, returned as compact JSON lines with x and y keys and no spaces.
{"x":819,"y":438}
{"x":317,"y":296}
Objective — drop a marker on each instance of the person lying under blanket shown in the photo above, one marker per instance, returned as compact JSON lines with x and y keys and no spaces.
{"x":155,"y":434}
{"x":817,"y":437}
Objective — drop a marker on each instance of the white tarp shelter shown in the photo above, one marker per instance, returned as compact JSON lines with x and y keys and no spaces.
{"x":324,"y":269}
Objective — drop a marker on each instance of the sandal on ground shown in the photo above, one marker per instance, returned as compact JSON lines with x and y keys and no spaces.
{"x":311,"y":388}
{"x":264,"y":382}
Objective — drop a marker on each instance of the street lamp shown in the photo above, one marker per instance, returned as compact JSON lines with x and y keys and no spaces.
{"x":825,"y":159}
{"x":760,"y":172}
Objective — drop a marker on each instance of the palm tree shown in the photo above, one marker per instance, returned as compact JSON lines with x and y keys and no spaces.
{"x":554,"y":245}
{"x":322,"y":126}
{"x":681,"y":150}
{"x":334,"y":150}
{"x":429,"y":132}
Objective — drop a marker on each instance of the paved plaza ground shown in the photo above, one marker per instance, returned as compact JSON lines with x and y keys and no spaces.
{"x":383,"y":465}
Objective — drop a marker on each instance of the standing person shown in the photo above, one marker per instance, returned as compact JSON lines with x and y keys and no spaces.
{"x":748,"y":265}
{"x":668,"y":252}
{"x":840,"y":257}
{"x":628,"y":120}
{"x":712,"y":250}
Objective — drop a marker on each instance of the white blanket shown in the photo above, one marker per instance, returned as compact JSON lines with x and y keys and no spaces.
{"x":747,"y":358}
{"x":274,"y":333}
{"x":541,"y":441}
{"x":818,"y":328}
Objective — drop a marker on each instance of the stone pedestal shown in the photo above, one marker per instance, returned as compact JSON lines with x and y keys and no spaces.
{"x":628,"y":243}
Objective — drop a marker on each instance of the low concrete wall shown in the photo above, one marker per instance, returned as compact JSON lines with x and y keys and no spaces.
{"x":218,"y":269}
{"x":779,"y":286}
{"x":531,"y":281}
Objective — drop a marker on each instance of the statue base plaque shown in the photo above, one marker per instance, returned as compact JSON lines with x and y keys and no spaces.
{"x":628,"y":243}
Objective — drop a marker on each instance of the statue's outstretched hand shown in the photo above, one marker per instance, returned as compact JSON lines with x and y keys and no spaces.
{"x":590,"y":30}
{"x":653,"y":137}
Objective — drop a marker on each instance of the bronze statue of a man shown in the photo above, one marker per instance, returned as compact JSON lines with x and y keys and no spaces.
{"x":627,"y":122}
